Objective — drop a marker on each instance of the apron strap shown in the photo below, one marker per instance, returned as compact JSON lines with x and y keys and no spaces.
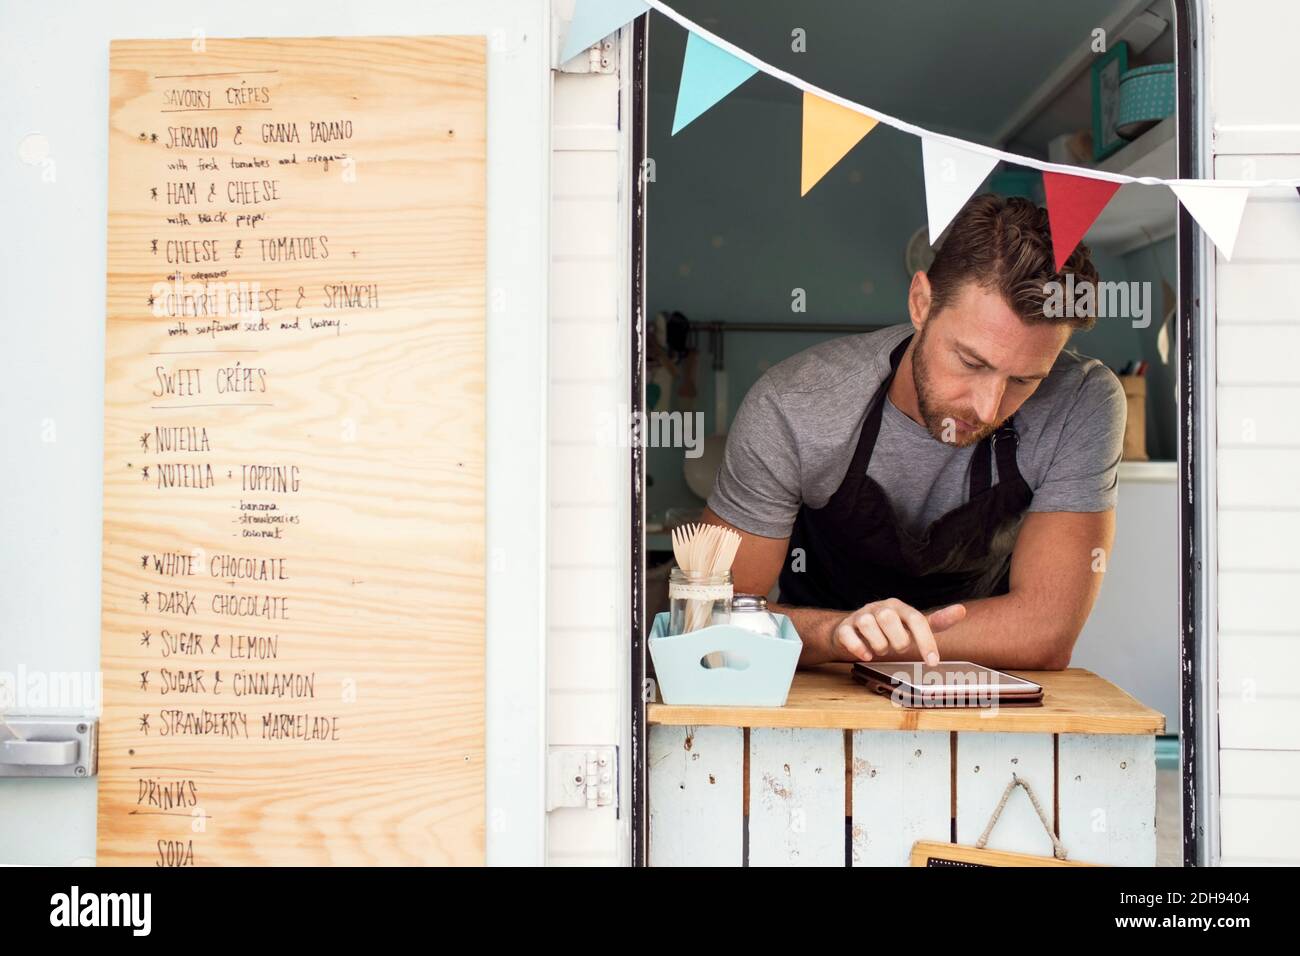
{"x":1004,"y":442}
{"x":871,"y":425}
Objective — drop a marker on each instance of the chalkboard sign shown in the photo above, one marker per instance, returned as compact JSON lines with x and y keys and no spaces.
{"x":293,"y":555}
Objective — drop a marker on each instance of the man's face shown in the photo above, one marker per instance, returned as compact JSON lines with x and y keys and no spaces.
{"x":975,"y":362}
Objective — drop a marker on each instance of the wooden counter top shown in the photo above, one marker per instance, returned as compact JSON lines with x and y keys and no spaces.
{"x":1075,"y":701}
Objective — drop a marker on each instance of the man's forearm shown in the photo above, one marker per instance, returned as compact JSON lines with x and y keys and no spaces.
{"x":1008,"y":631}
{"x":815,"y":626}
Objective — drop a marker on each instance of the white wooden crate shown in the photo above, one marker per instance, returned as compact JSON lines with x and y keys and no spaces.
{"x":731,"y":796}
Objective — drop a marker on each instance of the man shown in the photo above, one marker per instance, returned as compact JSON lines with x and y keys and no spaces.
{"x":943,"y":489}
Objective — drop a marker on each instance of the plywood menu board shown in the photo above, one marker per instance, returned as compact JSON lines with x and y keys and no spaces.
{"x":293,"y":589}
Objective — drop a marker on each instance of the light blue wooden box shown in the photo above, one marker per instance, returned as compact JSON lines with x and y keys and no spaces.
{"x":763,"y":681}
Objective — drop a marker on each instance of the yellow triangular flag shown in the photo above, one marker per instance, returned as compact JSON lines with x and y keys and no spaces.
{"x":829,"y":131}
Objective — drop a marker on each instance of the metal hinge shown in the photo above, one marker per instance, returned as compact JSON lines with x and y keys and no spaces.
{"x":581,"y":777}
{"x":600,"y":58}
{"x":49,"y":746}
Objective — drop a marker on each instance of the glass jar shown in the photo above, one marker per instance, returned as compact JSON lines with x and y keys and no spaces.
{"x":750,"y":612}
{"x":697,"y":599}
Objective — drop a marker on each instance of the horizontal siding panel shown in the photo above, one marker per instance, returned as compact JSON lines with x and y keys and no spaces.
{"x":587,"y":174}
{"x":1259,"y":540}
{"x":1258,"y":699}
{"x":583,"y":659}
{"x":588,"y":475}
{"x":1260,"y":355}
{"x":587,"y":534}
{"x":1258,"y":416}
{"x":590,"y":351}
{"x":589,"y":414}
{"x":1252,"y":602}
{"x":1260,"y":806}
{"x":582,"y":718}
{"x":581,"y":100}
{"x":1260,"y":166}
{"x":1256,"y":292}
{"x":1252,"y":62}
{"x":1261,"y":723}
{"x":1258,"y":477}
{"x":584,"y":834}
{"x":586,"y":228}
{"x":585,"y":597}
{"x":583,"y":291}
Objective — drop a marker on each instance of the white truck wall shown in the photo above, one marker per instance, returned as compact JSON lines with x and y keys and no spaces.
{"x":54,"y":77}
{"x":1253,"y":79}
{"x":590,"y":473}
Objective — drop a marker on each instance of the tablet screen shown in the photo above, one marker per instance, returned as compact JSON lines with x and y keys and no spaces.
{"x":950,"y":676}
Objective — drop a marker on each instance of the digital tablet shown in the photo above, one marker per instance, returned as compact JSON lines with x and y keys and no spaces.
{"x":946,"y":684}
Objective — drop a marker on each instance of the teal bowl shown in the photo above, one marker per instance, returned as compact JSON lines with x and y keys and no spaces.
{"x":1146,"y":96}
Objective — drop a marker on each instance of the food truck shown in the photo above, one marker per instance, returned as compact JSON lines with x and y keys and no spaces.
{"x":367,"y":549}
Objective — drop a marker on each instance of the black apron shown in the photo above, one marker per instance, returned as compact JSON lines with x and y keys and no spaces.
{"x":855,"y":550}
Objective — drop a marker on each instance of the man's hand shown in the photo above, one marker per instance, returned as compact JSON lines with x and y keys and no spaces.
{"x":881,"y":626}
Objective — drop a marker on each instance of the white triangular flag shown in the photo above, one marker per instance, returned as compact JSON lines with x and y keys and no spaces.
{"x":951,"y":175}
{"x":1217,"y":210}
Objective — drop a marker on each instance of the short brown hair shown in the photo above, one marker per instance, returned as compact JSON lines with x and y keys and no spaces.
{"x":1005,"y":245}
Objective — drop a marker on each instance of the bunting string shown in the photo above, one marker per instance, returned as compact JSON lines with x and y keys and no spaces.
{"x":762,"y":66}
{"x":953,"y":167}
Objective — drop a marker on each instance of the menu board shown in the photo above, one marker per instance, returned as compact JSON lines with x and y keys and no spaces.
{"x":293,"y":555}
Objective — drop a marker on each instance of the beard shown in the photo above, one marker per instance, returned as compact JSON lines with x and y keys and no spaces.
{"x":940,"y":419}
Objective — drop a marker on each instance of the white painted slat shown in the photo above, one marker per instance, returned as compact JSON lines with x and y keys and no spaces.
{"x":1256,"y":292}
{"x":1257,"y":602}
{"x":1251,"y":417}
{"x":586,"y":174}
{"x":581,"y":100}
{"x":584,"y":597}
{"x":585,"y":227}
{"x":1258,"y":477}
{"x":985,"y":763}
{"x":1251,"y":60}
{"x":586,"y":474}
{"x":902,"y":792}
{"x":590,"y":352}
{"x":796,"y":797}
{"x":1259,"y":540}
{"x":696,"y":796}
{"x":574,"y":715}
{"x":1107,"y":798}
{"x":1260,"y":354}
{"x":584,"y":659}
{"x":1264,"y":722}
{"x":1258,"y":701}
{"x":586,"y":534}
{"x":589,"y":414}
{"x":1260,"y":806}
{"x":582,"y":293}
{"x":1260,"y":166}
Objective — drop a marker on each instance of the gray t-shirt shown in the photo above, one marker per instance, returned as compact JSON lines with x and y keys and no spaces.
{"x":794,"y":435}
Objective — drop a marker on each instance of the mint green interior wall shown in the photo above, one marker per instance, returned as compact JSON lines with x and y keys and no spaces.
{"x":729,"y":238}
{"x":1116,"y":341}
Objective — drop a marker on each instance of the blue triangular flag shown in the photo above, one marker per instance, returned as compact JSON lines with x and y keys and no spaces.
{"x":708,"y":74}
{"x":596,"y":19}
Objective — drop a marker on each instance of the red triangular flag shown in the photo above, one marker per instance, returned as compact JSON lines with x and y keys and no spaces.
{"x":1073,"y":204}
